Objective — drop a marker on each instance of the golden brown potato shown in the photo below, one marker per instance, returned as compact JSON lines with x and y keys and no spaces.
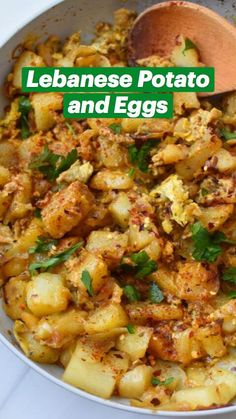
{"x":66,"y":209}
{"x":140,"y":312}
{"x":45,"y":105}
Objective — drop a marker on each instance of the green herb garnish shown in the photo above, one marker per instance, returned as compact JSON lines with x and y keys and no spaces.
{"x":231,"y":295}
{"x":131,"y":293}
{"x":226,"y":135}
{"x":70,"y":128}
{"x":207,"y":245}
{"x":155,"y":295}
{"x":116,"y":128}
{"x":87,"y":281}
{"x":54,"y":260}
{"x":140,"y":156}
{"x":131,"y":172}
{"x":43,"y":245}
{"x":157,"y":382}
{"x":204,"y":192}
{"x":188,"y":45}
{"x":143,"y":264}
{"x":51,"y":164}
{"x":130,"y":328}
{"x":230,"y":275}
{"x":24,"y":106}
{"x":37,"y":213}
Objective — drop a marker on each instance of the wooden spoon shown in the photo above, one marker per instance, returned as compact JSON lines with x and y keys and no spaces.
{"x":155,"y":31}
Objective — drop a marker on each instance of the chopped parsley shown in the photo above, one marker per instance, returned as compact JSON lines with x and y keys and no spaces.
{"x":37,"y":213}
{"x":116,"y":128}
{"x":51,"y":164}
{"x":131,"y":172}
{"x":130,"y":328}
{"x":207,"y":245}
{"x":143,"y":264}
{"x":24,"y":106}
{"x":157,"y":382}
{"x":232,"y":295}
{"x":43,"y":245}
{"x":70,"y":129}
{"x":155,"y":295}
{"x":54,"y":260}
{"x":204,"y":192}
{"x":140,"y":156}
{"x":188,"y":45}
{"x":230,"y":275}
{"x":131,"y":293}
{"x":87,"y":281}
{"x":226,"y":135}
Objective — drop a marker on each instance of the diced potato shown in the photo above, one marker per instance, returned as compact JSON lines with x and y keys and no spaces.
{"x":131,"y":124}
{"x":139,"y":238}
{"x":110,"y":245}
{"x":165,"y":279}
{"x":182,"y":57}
{"x":106,"y":180}
{"x":86,"y":371}
{"x":199,"y":153}
{"x":21,"y":203}
{"x":8,"y":154}
{"x":90,"y":262}
{"x":226,"y":162}
{"x":4,"y":175}
{"x":66,"y":209}
{"x":5,"y":202}
{"x":120,"y":209}
{"x":110,"y":153}
{"x":14,"y":293}
{"x":186,"y":345}
{"x":211,"y":340}
{"x":134,"y":382}
{"x":214,"y":216}
{"x":67,"y":353}
{"x":197,"y":375}
{"x":26,"y":59}
{"x":185,"y":100}
{"x":46,"y":294}
{"x":195,"y":281}
{"x":135,"y":344}
{"x":58,"y":329}
{"x":33,"y":349}
{"x":44,"y":105}
{"x":105,"y":318}
{"x":140,"y":312}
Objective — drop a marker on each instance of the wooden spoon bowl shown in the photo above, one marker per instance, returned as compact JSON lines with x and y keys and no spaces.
{"x":155,"y":31}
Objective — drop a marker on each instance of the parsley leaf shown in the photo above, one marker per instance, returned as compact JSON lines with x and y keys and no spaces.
{"x":54,"y":260}
{"x":116,"y":128}
{"x":37,"y":213}
{"x":204,"y":192}
{"x":140,"y":156}
{"x":155,"y":295}
{"x":157,"y":382}
{"x":231,"y":295}
{"x":51,"y":164}
{"x":130,"y":328}
{"x":131,"y":172}
{"x":207,"y":245}
{"x":144,"y":265}
{"x":24,"y":106}
{"x":70,"y":128}
{"x":131,"y":293}
{"x":230,"y":275}
{"x":188,"y":45}
{"x":226,"y":135}
{"x":43,"y":245}
{"x":87,"y":281}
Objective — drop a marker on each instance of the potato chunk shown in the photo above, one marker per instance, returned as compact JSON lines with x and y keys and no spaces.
{"x":44,"y":105}
{"x":133,"y":383}
{"x":111,"y":245}
{"x":86,"y":371}
{"x":14,"y":294}
{"x":33,"y":349}
{"x":66,"y":209}
{"x":26,"y":59}
{"x":46,"y":294}
{"x":195,"y":281}
{"x":140,"y":312}
{"x":135,"y":344}
{"x":105,"y":180}
{"x":90,"y":262}
{"x":105,"y":318}
{"x":120,"y":209}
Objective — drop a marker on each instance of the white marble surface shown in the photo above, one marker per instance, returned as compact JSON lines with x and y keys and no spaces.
{"x":23,"y":393}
